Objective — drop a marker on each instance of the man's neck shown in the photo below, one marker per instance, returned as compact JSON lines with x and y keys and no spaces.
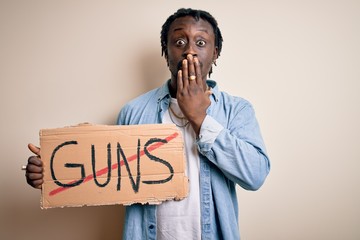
{"x":172,"y":89}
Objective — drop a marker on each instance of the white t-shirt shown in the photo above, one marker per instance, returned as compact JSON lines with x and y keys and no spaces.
{"x":182,"y":219}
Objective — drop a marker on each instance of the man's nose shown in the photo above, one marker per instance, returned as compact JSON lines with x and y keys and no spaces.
{"x":190,"y":49}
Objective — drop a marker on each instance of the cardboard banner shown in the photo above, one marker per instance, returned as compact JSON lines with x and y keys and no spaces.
{"x":88,"y":165}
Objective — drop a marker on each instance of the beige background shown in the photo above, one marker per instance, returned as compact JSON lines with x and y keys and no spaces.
{"x":298,"y":62}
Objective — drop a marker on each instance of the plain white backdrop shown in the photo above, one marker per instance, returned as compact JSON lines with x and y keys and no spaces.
{"x":298,"y":62}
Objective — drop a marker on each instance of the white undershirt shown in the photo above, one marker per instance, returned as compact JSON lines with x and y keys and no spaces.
{"x":182,"y":219}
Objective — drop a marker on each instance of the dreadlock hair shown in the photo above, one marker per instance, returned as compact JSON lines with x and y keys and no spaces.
{"x":196,"y":14}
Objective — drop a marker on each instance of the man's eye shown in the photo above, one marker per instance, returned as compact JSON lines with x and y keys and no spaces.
{"x":201,"y":43}
{"x":180,"y":42}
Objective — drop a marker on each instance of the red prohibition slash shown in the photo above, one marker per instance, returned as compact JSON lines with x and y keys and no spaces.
{"x":114,"y":166}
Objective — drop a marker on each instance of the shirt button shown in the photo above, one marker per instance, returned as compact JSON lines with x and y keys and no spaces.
{"x":151,"y":227}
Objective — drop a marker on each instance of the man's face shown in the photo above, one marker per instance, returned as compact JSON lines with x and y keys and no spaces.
{"x":188,"y":36}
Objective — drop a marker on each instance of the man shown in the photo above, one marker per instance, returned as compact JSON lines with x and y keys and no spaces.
{"x":222,"y":138}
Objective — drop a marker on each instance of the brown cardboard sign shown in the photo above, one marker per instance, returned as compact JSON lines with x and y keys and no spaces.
{"x":89,"y":165}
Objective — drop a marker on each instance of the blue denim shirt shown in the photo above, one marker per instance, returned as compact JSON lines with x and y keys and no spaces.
{"x":237,"y":156}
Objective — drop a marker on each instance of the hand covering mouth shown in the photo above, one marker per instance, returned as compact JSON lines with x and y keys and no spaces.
{"x":179,"y":65}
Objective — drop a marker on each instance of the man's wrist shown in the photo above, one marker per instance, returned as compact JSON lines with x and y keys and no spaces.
{"x":209,"y":130}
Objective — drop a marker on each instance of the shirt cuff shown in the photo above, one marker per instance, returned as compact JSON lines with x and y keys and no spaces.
{"x":209,"y":131}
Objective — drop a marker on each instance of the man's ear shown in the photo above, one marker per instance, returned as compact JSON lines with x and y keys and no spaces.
{"x":167,"y":61}
{"x":216,"y":54}
{"x":166,"y":57}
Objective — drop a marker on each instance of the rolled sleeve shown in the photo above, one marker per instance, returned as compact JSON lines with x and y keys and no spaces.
{"x":209,"y":131}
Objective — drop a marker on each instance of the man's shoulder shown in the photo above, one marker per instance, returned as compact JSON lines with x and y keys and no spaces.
{"x":130,"y":113}
{"x":149,"y":97}
{"x":145,"y":97}
{"x":226,"y":99}
{"x":232,"y":100}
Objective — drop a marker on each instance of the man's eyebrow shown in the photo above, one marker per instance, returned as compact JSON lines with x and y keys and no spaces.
{"x":178,"y":29}
{"x":203,"y":30}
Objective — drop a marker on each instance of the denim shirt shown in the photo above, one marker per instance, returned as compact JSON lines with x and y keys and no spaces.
{"x":236,"y":156}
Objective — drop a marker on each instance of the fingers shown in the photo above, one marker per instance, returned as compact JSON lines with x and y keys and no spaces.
{"x":35,"y":176}
{"x":34,"y":149}
{"x":208,"y":92}
{"x":34,"y":172}
{"x":190,"y":74}
{"x":34,"y":163}
{"x":198,"y":71}
{"x":34,"y":179}
{"x":191,"y":68}
{"x":185,"y":73}
{"x":35,"y":183}
{"x":191,"y":71}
